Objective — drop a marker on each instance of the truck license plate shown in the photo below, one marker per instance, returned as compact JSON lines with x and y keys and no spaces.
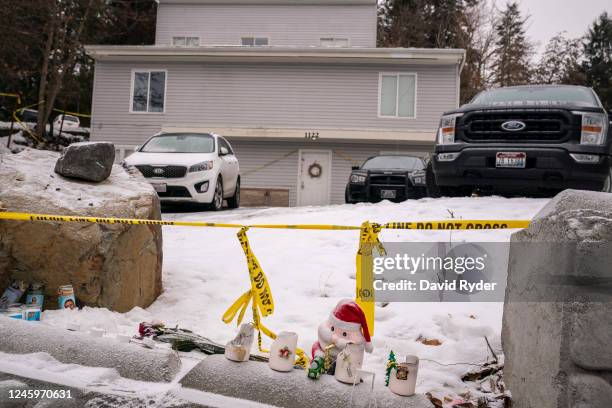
{"x":159,"y":187}
{"x":512,"y":160}
{"x":387,"y":193}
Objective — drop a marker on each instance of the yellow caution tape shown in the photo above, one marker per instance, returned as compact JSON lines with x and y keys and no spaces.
{"x":83,"y":115}
{"x":421,"y":225}
{"x":12,"y":95}
{"x":458,"y":224}
{"x":261,"y":297}
{"x":364,"y":291}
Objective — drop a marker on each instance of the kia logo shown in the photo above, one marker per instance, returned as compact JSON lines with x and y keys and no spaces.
{"x":158,"y":171}
{"x":513,"y":125}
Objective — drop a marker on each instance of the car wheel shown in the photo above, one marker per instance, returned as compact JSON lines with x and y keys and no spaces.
{"x":234,"y":202}
{"x":217,"y":202}
{"x":347,"y":196}
{"x":432,"y":189}
{"x":607,"y":187}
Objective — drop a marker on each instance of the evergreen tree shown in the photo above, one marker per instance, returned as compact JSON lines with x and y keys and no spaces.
{"x":598,"y":58}
{"x":511,"y":65}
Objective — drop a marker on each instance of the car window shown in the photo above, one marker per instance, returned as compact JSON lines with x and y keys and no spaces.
{"x":180,"y":143}
{"x":537,"y":94}
{"x":223,"y":143}
{"x":394,"y":163}
{"x":70,"y":119}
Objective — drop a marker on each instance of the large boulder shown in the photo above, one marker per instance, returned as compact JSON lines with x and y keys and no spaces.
{"x":90,"y":161}
{"x":115,"y":266}
{"x":557,"y":321}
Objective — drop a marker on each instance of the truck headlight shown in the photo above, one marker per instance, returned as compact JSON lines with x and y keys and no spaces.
{"x":593,"y":128}
{"x":205,"y":165}
{"x":358,"y":179}
{"x":446,"y":131}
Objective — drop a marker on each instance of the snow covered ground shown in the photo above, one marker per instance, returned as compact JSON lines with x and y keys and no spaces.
{"x":309,"y":271}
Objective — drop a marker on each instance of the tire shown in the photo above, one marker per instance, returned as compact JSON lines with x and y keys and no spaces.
{"x":607,"y":187}
{"x":347,"y":197}
{"x":234,"y":202}
{"x":431,"y":188}
{"x":217,"y":202}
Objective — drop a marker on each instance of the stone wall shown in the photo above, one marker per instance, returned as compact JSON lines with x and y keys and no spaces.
{"x":114,"y":266}
{"x":557,"y":326}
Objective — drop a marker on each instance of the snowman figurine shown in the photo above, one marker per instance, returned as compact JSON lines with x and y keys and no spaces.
{"x":345,"y":325}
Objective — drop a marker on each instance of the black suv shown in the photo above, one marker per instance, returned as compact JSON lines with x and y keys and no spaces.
{"x":392,"y":177}
{"x":541,"y":137}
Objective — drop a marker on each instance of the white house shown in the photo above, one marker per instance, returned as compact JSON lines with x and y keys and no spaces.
{"x":288,"y":82}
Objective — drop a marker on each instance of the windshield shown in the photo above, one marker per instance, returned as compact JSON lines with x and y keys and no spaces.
{"x":537,"y":94}
{"x":393,"y":163}
{"x":180,"y":143}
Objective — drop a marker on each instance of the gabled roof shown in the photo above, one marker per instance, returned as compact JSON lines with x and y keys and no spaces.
{"x":352,"y":55}
{"x":276,"y":2}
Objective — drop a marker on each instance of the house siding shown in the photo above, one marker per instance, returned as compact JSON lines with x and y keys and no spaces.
{"x":294,"y":25}
{"x":283,"y":173}
{"x":312,"y":96}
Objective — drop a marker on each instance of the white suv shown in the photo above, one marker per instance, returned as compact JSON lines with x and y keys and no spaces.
{"x":196,"y":167}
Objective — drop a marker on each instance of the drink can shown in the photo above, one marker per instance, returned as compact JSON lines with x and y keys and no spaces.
{"x":65,"y":297}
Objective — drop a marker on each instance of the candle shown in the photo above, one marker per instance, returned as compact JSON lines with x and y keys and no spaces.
{"x":402,"y":380}
{"x":282,"y":352}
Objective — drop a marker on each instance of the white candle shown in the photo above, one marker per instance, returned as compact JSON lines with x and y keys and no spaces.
{"x":282,"y":352}
{"x":402,"y":379}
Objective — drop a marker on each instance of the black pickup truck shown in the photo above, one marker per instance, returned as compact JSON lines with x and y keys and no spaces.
{"x":541,"y":137}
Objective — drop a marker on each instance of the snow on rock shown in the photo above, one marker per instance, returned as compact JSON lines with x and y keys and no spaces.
{"x":309,"y":271}
{"x":114,"y":266}
{"x":129,"y":360}
{"x":255,"y":381}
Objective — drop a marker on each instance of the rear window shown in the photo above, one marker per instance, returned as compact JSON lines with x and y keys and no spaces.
{"x":393,"y":163}
{"x":180,"y":143}
{"x":537,"y":94}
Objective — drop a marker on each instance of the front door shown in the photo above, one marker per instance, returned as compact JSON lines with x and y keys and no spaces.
{"x":314,"y":177}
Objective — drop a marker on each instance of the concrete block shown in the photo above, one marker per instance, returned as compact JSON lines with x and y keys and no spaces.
{"x":130,"y":360}
{"x":557,"y":321}
{"x":255,"y":381}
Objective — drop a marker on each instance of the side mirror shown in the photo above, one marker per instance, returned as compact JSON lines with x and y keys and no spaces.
{"x":354,"y":167}
{"x":223,"y":151}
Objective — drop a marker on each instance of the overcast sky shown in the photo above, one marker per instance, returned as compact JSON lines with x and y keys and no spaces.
{"x":548,"y":17}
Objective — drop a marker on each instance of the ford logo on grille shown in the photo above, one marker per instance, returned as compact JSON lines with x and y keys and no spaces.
{"x":513,"y":125}
{"x":158,"y":171}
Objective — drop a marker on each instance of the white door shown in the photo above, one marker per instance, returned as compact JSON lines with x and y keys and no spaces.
{"x":314,"y":177}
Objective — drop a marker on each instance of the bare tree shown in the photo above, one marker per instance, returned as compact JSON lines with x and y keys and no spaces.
{"x":561,"y":62}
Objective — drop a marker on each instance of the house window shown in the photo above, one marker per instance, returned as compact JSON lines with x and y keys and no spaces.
{"x":255,"y":41}
{"x":334,"y":42}
{"x":149,"y":91}
{"x":186,"y":41}
{"x":397,"y":95}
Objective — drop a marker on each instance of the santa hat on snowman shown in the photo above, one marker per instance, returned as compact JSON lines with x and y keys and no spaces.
{"x":348,"y":322}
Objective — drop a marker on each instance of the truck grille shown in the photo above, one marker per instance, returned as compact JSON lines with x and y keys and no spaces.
{"x":388,"y":180}
{"x":163,"y":171}
{"x":542,"y":125}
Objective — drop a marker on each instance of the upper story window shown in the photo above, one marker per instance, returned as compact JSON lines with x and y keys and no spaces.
{"x":186,"y":41}
{"x":397,"y":98}
{"x":255,"y":41}
{"x":334,"y":42}
{"x":148,"y":91}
